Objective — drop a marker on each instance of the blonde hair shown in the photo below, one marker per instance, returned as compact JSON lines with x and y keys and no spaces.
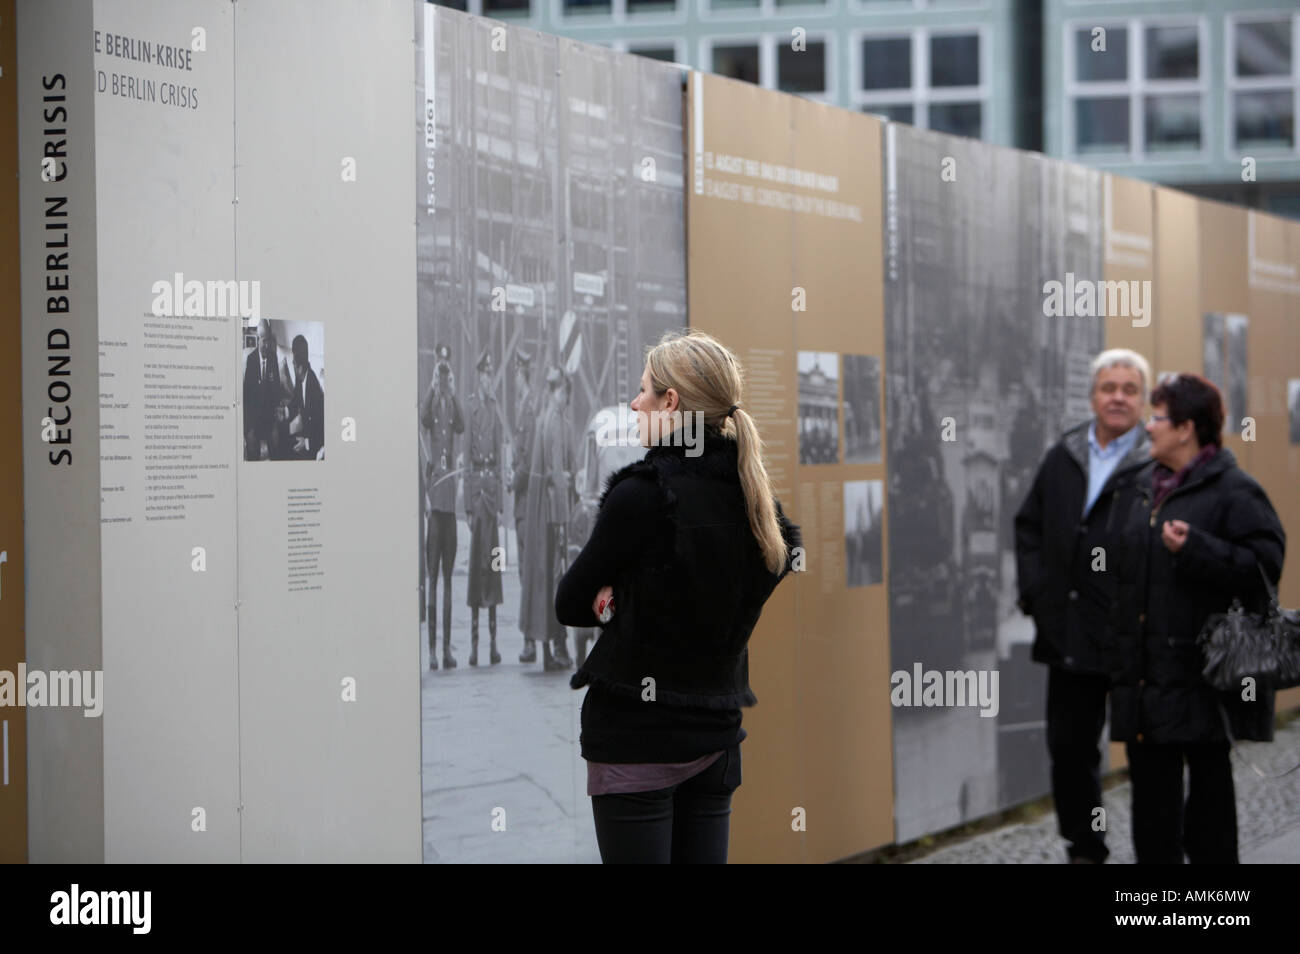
{"x":709,"y":379}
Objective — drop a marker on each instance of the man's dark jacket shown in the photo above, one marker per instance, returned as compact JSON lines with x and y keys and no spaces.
{"x":312,"y":412}
{"x":1164,"y":599}
{"x":262,"y":396}
{"x":1066,"y":584}
{"x":685,"y":610}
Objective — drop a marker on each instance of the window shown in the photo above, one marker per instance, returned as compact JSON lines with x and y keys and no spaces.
{"x":739,"y":61}
{"x":1263,"y":48}
{"x":1172,"y":52}
{"x":666,"y":53}
{"x":801,"y":71}
{"x":1262,"y":84}
{"x":506,"y":8}
{"x":955,"y":60}
{"x":1135,"y":89}
{"x":1263,"y":119}
{"x":887,"y":63}
{"x":1101,"y":54}
{"x":960,"y":119}
{"x":1173,"y":123}
{"x":581,"y":8}
{"x":1101,"y":124}
{"x":651,"y":6}
{"x":933,"y":78}
{"x":771,"y":61}
{"x":896,"y":112}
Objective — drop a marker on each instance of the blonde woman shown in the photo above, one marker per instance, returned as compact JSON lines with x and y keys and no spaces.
{"x":687,"y":546}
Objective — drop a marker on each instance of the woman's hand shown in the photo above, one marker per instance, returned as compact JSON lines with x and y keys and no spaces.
{"x":604,"y":598}
{"x":1173,"y":534}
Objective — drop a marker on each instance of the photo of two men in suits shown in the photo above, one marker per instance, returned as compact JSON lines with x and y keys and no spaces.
{"x":284,"y":403}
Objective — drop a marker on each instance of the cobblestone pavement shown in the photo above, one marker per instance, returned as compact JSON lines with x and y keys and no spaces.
{"x":1268,"y":818}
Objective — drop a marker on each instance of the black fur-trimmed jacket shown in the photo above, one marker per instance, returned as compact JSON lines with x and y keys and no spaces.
{"x":672,"y":538}
{"x":1164,"y":599}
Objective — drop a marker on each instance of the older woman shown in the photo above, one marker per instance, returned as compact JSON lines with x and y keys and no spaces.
{"x":1197,"y":533}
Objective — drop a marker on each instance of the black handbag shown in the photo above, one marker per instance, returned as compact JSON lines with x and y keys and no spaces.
{"x":1262,"y":646}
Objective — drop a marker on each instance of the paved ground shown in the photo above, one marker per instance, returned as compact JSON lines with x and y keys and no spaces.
{"x":1268,"y":818}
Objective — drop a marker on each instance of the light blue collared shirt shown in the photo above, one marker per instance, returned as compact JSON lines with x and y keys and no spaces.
{"x":1102,"y":460}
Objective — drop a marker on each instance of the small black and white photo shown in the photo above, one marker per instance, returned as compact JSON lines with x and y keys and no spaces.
{"x":864,"y":532}
{"x":284,"y":392}
{"x":819,"y":407}
{"x":1293,"y":402}
{"x":1237,"y":368}
{"x":1212,"y":357}
{"x":861,"y":409}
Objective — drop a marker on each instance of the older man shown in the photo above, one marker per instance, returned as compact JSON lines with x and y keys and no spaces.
{"x":267,"y":392}
{"x":1065,"y":585}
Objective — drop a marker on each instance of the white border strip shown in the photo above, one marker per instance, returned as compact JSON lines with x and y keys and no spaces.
{"x":697,"y":128}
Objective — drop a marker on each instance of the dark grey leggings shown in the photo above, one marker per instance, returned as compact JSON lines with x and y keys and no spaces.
{"x":686,"y":823}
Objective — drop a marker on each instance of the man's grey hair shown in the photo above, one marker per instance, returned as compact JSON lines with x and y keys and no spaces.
{"x":1121,"y":358}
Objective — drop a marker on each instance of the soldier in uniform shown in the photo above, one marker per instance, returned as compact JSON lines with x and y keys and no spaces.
{"x":546,"y":538}
{"x":441,"y":417}
{"x":521,"y":457}
{"x":483,"y":506}
{"x":556,"y":457}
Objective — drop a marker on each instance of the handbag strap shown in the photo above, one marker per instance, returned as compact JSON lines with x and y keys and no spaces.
{"x":1269,"y":588}
{"x":1223,"y":713}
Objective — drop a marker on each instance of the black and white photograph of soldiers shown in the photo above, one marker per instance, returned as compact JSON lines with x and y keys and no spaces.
{"x":1293,"y":402}
{"x":548,"y":260}
{"x":980,"y":382}
{"x":819,"y":407}
{"x":864,"y":532}
{"x":1237,"y":394}
{"x":861,"y":409}
{"x":283,"y":411}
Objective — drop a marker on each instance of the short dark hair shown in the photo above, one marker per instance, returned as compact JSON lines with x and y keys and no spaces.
{"x":299,"y":350}
{"x":1189,"y":397}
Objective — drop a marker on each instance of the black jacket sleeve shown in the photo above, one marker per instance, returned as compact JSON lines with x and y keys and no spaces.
{"x":1252,"y":540}
{"x":623,"y":526}
{"x":1029,"y":539}
{"x":793,"y":536}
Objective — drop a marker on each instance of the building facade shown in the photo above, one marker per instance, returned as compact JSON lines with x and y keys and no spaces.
{"x":950,"y":65}
{"x":1198,"y":94}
